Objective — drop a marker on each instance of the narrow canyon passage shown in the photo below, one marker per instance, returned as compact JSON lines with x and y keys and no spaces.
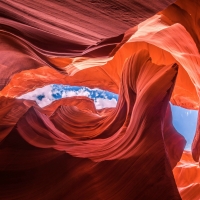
{"x":99,"y":100}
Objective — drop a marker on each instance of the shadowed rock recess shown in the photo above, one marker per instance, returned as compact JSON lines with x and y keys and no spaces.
{"x":147,"y":52}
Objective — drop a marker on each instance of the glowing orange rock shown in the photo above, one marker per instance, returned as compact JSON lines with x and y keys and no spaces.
{"x":71,"y":150}
{"x":187,"y":176}
{"x":127,"y":141}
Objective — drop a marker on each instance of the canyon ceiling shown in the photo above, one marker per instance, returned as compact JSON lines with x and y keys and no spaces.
{"x":147,"y":52}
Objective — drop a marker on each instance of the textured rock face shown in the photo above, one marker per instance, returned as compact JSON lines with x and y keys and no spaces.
{"x":147,"y":53}
{"x":189,"y":169}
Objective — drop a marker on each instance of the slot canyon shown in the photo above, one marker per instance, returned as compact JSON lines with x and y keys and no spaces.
{"x":144,"y":54}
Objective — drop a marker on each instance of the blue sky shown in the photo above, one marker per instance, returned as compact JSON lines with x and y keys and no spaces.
{"x":184,"y":120}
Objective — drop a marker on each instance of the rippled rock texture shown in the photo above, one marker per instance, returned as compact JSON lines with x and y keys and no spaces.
{"x":146,"y":52}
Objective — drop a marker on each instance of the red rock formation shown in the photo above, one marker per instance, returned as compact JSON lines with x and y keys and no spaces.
{"x":132,"y":133}
{"x":70,"y":150}
{"x":187,"y":176}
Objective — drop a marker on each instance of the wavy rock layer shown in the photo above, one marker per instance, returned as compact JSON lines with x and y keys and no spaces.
{"x":70,"y":150}
{"x":121,"y":141}
{"x":189,"y":186}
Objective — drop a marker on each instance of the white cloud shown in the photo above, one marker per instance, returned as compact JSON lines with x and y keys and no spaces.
{"x":105,"y":103}
{"x":69,"y":94}
{"x":83,"y":92}
{"x":72,"y":93}
{"x":46,"y":91}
